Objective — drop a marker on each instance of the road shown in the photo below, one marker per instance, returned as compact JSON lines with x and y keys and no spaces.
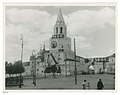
{"x":61,"y":82}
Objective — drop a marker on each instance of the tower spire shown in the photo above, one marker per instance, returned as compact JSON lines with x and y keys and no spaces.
{"x":60,"y":17}
{"x":60,"y":27}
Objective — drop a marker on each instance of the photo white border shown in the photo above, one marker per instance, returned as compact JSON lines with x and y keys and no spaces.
{"x":62,"y":4}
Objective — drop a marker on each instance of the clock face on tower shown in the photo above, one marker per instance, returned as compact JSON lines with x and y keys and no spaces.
{"x":53,"y":44}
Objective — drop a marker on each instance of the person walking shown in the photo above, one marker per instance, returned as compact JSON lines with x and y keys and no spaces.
{"x":84,"y":85}
{"x":100,"y":85}
{"x":88,"y":85}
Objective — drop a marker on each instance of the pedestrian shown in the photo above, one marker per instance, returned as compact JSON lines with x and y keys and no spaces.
{"x":84,"y":85}
{"x":88,"y":85}
{"x":100,"y":85}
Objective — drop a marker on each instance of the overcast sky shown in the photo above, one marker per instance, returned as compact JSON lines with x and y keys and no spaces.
{"x":93,"y":28}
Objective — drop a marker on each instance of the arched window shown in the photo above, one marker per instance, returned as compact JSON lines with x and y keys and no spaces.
{"x":38,"y":62}
{"x":56,"y":30}
{"x":68,"y":45}
{"x":60,"y":29}
{"x":59,"y":36}
{"x":37,"y":69}
{"x":62,"y":36}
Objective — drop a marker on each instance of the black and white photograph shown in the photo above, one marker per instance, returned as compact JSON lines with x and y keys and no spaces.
{"x":59,"y":47}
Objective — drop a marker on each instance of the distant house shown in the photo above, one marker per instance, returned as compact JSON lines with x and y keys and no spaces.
{"x":111,"y":64}
{"x":27,"y":68}
{"x":104,"y":64}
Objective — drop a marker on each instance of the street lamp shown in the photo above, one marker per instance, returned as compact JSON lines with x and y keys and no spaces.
{"x":20,"y":85}
{"x":75,"y":62}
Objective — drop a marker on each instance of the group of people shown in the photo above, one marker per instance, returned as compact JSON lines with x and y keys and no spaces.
{"x":86,"y":85}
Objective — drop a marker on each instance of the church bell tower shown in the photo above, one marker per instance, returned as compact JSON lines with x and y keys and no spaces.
{"x":59,"y":42}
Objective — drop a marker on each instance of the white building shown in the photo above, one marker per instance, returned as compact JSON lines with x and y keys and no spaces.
{"x":104,"y":64}
{"x":111,"y":64}
{"x":27,"y":68}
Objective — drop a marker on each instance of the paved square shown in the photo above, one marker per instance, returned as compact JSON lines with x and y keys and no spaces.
{"x":67,"y":82}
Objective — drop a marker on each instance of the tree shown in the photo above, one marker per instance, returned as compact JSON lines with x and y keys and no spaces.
{"x":6,"y":67}
{"x":10,"y":69}
{"x":47,"y":70}
{"x":53,"y":68}
{"x":15,"y":68}
{"x":86,"y":60}
{"x":18,"y":67}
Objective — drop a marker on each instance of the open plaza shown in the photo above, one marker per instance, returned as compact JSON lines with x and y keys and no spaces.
{"x":66,"y":83}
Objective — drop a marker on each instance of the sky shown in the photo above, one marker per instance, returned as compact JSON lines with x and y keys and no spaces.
{"x":93,"y":27}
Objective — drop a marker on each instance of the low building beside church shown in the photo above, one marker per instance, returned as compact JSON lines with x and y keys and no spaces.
{"x":111,"y":64}
{"x":104,"y":64}
{"x":27,"y":68}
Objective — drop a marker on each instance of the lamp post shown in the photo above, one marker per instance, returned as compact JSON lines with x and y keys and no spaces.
{"x":20,"y":85}
{"x":75,"y":63}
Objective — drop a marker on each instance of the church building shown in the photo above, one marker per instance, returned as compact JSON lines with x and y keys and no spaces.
{"x":59,"y":51}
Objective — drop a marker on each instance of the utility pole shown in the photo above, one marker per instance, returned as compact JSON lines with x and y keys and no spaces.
{"x":34,"y":69}
{"x":75,"y":63}
{"x":65,"y":68}
{"x":20,"y":85}
{"x":35,"y":73}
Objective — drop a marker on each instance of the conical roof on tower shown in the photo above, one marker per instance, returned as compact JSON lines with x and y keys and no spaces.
{"x":60,"y":16}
